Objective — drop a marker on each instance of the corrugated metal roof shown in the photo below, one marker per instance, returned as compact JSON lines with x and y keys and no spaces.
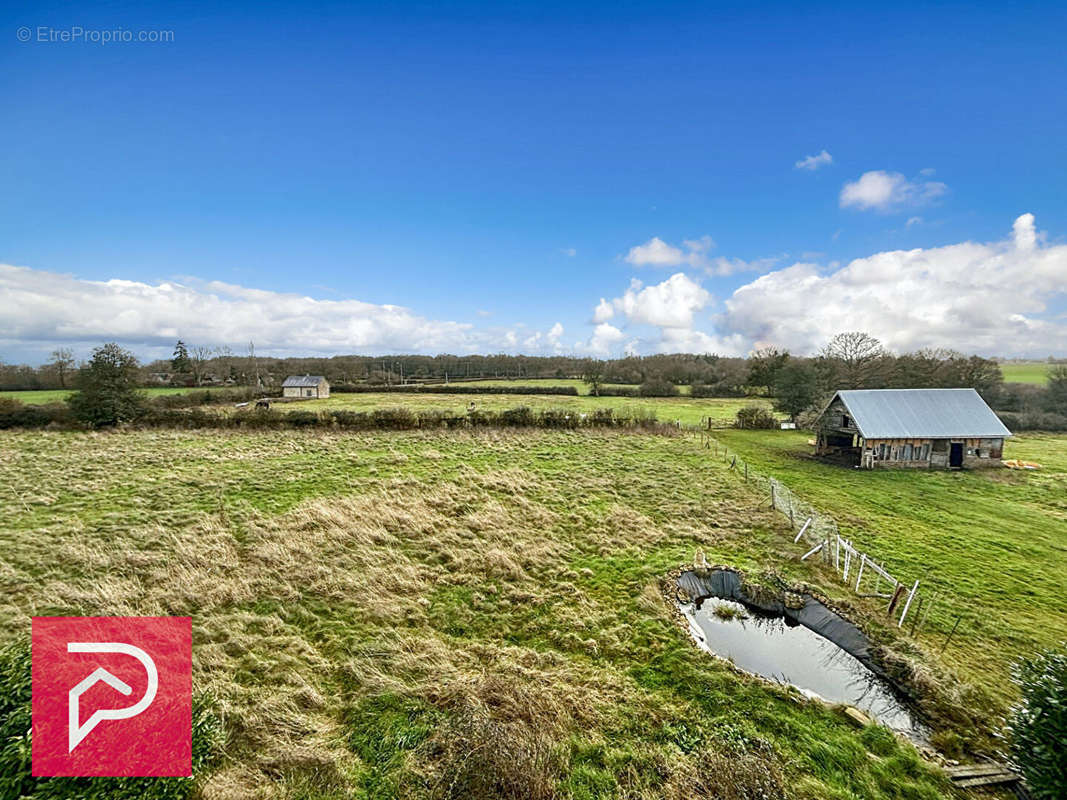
{"x":922,"y":414}
{"x":302,"y":380}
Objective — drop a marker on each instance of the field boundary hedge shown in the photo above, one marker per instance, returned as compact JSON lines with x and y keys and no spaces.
{"x":58,"y":416}
{"x":419,"y":388}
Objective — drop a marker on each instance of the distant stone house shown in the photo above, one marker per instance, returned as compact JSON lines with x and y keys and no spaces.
{"x":925,"y":428}
{"x":314,"y":386}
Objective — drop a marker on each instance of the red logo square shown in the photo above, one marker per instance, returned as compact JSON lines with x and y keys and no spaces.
{"x":112,"y":696}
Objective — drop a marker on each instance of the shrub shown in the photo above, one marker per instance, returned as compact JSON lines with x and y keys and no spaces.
{"x":1033,"y":421}
{"x":518,"y":417}
{"x":107,"y":388}
{"x":717,"y":389}
{"x":14,"y":414}
{"x":619,"y":391}
{"x":657,"y":387}
{"x":302,"y":419}
{"x":1038,"y":723}
{"x":236,"y":394}
{"x":755,"y":417}
{"x":395,"y":419}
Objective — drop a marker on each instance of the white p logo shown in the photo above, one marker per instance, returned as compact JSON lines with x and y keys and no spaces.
{"x":76,"y":732}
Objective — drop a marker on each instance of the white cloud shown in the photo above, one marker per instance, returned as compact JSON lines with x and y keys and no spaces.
{"x":812,"y":163}
{"x":570,"y":252}
{"x":1023,"y":232}
{"x":670,"y":304}
{"x":888,"y":191}
{"x":40,"y":309}
{"x":913,"y":221}
{"x":603,"y":312}
{"x":603,"y":340}
{"x":989,"y":298}
{"x":657,"y":253}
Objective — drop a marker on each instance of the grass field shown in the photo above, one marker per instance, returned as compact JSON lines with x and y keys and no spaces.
{"x":1029,"y":372}
{"x":992,"y":543}
{"x":581,"y":386}
{"x":420,"y":614}
{"x":687,"y":410}
{"x":43,"y":396}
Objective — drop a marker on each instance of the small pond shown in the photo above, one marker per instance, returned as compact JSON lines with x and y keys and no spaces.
{"x":786,"y":652}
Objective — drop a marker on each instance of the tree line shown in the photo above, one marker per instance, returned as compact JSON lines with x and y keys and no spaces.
{"x":798,"y":384}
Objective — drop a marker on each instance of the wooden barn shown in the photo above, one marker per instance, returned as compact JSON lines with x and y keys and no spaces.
{"x":923,"y":428}
{"x":314,"y":386}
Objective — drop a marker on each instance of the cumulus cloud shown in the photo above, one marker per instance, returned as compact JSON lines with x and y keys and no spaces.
{"x":692,"y":253}
{"x":657,"y":253}
{"x":604,"y":340}
{"x":670,"y":304}
{"x":603,"y":312}
{"x":993,"y":298}
{"x":670,"y":307}
{"x":812,"y":163}
{"x":40,"y":309}
{"x":888,"y":191}
{"x":570,"y":252}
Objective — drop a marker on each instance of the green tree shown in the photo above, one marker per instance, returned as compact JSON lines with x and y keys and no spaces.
{"x":593,"y":375}
{"x":796,"y":389}
{"x":1039,"y":723}
{"x":764,"y":365}
{"x":107,"y":388}
{"x":180,"y":362}
{"x":1056,"y":393}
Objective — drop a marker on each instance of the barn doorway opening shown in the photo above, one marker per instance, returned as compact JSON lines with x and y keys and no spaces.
{"x":955,"y":454}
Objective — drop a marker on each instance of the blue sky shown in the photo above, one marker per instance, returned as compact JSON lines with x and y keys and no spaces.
{"x":489,"y":168}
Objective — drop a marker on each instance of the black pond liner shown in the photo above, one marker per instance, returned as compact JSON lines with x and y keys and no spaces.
{"x":726,"y":584}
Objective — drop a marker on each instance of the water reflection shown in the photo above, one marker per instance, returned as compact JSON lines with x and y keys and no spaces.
{"x":792,"y":654}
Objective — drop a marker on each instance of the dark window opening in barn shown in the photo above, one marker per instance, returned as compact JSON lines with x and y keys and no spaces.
{"x":925,"y":453}
{"x":845,"y":421}
{"x":940,"y":446}
{"x":907,"y":452}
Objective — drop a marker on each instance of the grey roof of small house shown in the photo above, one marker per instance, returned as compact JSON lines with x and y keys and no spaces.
{"x":302,"y":380}
{"x":922,"y":414}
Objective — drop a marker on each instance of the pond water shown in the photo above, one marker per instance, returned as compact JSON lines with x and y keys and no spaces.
{"x":792,"y":654}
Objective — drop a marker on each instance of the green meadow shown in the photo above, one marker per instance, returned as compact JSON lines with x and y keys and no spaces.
{"x":992,"y":544}
{"x":1028,"y":372}
{"x":437,"y":614}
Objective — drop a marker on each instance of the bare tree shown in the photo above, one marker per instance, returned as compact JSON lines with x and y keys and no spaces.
{"x":63,"y":363}
{"x":199,"y":356}
{"x":857,"y":355}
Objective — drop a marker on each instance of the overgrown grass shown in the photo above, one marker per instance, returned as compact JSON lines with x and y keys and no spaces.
{"x":991,"y":543}
{"x":417,"y":614}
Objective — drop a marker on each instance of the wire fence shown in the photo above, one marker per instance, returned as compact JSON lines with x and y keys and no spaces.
{"x":909,"y":600}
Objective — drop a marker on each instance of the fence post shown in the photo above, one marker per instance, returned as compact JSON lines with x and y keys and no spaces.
{"x":907,"y":605}
{"x":772,"y":495}
{"x":804,"y":528}
{"x":837,"y":554}
{"x":897,"y":592}
{"x":859,"y":577}
{"x":746,"y":471}
{"x":950,"y":634}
